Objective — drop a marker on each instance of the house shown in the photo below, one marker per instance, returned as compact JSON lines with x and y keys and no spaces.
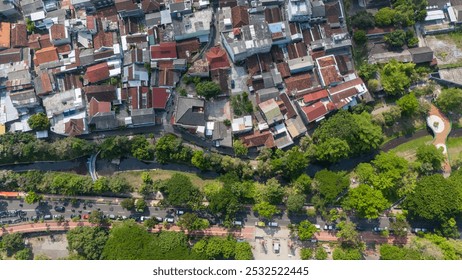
{"x":240,"y":16}
{"x":315,"y":96}
{"x":271,"y":112}
{"x":164,"y":51}
{"x":19,"y":36}
{"x":142,"y":117}
{"x":135,"y":75}
{"x":150,"y":6}
{"x":196,"y":25}
{"x":221,"y":77}
{"x":316,"y":111}
{"x":5,"y":31}
{"x":246,"y":41}
{"x":301,"y":83}
{"x":104,"y":93}
{"x":91,"y":5}
{"x":328,"y":71}
{"x":259,"y":139}
{"x":217,"y":58}
{"x":242,"y":125}
{"x":189,"y":113}
{"x":160,"y":97}
{"x":100,"y":115}
{"x":74,"y":127}
{"x":45,"y":55}
{"x":179,"y":9}
{"x":97,"y":73}
{"x":59,"y":35}
{"x":43,"y":84}
{"x":200,"y":68}
{"x":128,"y":8}
{"x":299,"y":10}
{"x":187,"y":48}
{"x":10,"y":9}
{"x":344,"y":95}
{"x":421,"y":55}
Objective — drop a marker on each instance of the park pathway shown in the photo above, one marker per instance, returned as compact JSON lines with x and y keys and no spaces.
{"x":441,"y":127}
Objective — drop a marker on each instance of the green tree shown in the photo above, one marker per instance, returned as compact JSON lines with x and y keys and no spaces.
{"x":243,"y":251}
{"x":362,"y":20}
{"x":208,"y":89}
{"x":302,"y":184}
{"x":200,"y":160}
{"x":32,"y":197}
{"x":395,"y":39}
{"x":273,"y":192}
{"x":435,"y":199}
{"x":360,"y":37}
{"x":30,"y":25}
{"x":348,"y":235}
{"x":392,"y":252}
{"x":385,"y":17}
{"x":306,"y":230}
{"x":240,"y":149}
{"x":39,"y":121}
{"x":166,"y":146}
{"x":396,"y":77}
{"x":265,"y":209}
{"x":295,"y":203}
{"x":128,"y":204}
{"x":373,"y":85}
{"x":366,"y":201}
{"x":12,"y":243}
{"x":24,"y":254}
{"x":400,"y":226}
{"x":450,"y":100}
{"x":306,"y":253}
{"x":357,"y":130}
{"x":408,"y":104}
{"x":88,"y":242}
{"x":429,"y":154}
{"x":140,"y":205}
{"x":150,"y":223}
{"x":190,"y":222}
{"x":96,"y":217}
{"x":341,"y":253}
{"x":332,"y":150}
{"x":329,"y":185}
{"x":141,"y":148}
{"x":119,"y":184}
{"x":115,"y":147}
{"x":320,"y":253}
{"x":180,"y":192}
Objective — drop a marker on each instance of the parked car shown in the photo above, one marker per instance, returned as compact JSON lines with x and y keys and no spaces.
{"x":233,"y":84}
{"x":237,"y":223}
{"x":179,"y":212}
{"x":112,"y":217}
{"x":169,"y":220}
{"x":317,"y":226}
{"x":34,"y":218}
{"x":75,"y":216}
{"x":144,"y":218}
{"x":273,"y":224}
{"x":259,"y":224}
{"x":159,"y":219}
{"x":57,"y":217}
{"x":47,"y":217}
{"x":60,"y":208}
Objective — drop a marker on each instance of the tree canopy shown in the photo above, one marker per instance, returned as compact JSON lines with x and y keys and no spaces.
{"x":180,"y":192}
{"x":88,"y":242}
{"x":450,"y":100}
{"x":396,"y":77}
{"x":240,"y":149}
{"x":265,"y":209}
{"x":435,"y":199}
{"x":39,"y":121}
{"x":357,"y":130}
{"x":366,"y":201}
{"x":329,"y":185}
{"x":306,"y":230}
{"x":362,"y":20}
{"x":392,"y":252}
{"x":12,"y":243}
{"x":208,"y":89}
{"x":408,"y":104}
{"x":430,"y":155}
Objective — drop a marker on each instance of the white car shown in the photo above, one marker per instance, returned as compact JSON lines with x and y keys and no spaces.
{"x":169,"y":220}
{"x":237,"y":223}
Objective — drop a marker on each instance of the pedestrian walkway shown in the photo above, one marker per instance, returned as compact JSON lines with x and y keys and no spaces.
{"x":367,"y":237}
{"x":441,"y":127}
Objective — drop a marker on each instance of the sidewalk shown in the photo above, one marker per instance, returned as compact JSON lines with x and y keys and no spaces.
{"x":441,"y":127}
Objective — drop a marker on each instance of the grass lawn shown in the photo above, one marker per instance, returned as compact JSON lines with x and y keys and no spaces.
{"x":408,"y":150}
{"x":454,"y":148}
{"x":134,"y":177}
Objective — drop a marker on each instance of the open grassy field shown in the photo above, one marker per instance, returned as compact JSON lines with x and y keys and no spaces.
{"x":134,"y":177}
{"x":454,"y":148}
{"x":408,"y":150}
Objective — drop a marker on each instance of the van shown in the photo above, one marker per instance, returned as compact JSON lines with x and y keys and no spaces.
{"x":237,"y":223}
{"x":273,"y":224}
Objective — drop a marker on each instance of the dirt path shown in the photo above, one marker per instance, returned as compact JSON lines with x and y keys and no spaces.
{"x":441,"y":127}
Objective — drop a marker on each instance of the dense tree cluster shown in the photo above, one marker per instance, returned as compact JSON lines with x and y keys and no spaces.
{"x":208,"y":89}
{"x":24,"y":147}
{"x":450,"y":100}
{"x":39,"y":121}
{"x":87,"y":242}
{"x":241,"y":104}
{"x":168,"y":148}
{"x":396,"y":77}
{"x":120,"y":146}
{"x":347,"y":133}
{"x":218,"y":248}
{"x":405,"y":13}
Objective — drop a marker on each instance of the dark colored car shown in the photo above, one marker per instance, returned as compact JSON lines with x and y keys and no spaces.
{"x":60,"y":209}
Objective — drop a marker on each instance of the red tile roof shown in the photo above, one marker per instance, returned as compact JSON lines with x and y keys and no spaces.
{"x":150,"y":6}
{"x":5,"y":31}
{"x":296,"y":50}
{"x":64,"y":49}
{"x":74,"y":127}
{"x":105,"y":93}
{"x":97,"y":73}
{"x":318,"y":54}
{"x":58,"y":31}
{"x":330,"y":75}
{"x":298,"y":82}
{"x":217,"y":58}
{"x":45,"y":41}
{"x":46,"y":55}
{"x":220,"y":76}
{"x":159,"y":98}
{"x":240,"y":16}
{"x":91,"y":22}
{"x":98,"y":107}
{"x":33,"y":41}
{"x":314,"y":96}
{"x":345,"y":85}
{"x":315,"y":111}
{"x":326,"y":61}
{"x":284,"y":69}
{"x":19,"y":35}
{"x":258,"y":139}
{"x":46,"y":84}
{"x":165,"y":50}
{"x":190,"y":46}
{"x":289,"y":107}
